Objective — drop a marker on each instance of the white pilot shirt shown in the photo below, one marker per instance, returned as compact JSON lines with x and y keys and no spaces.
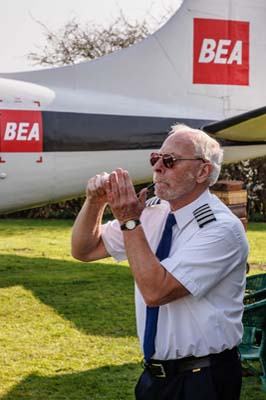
{"x":210,"y":261}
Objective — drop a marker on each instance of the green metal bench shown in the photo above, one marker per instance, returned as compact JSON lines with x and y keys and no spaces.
{"x":253,"y":346}
{"x":255,"y":288}
{"x":255,"y":296}
{"x":255,"y":282}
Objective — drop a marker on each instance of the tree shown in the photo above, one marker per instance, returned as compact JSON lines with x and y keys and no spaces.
{"x":75,"y":42}
{"x":252,"y":173}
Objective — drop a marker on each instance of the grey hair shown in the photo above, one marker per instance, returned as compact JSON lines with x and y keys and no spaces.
{"x":205,"y":146}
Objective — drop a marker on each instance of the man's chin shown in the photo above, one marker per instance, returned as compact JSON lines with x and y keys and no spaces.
{"x":162,"y":194}
{"x":165,"y":195}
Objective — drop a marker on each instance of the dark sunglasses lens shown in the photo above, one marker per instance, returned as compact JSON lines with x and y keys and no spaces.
{"x":168,"y":161}
{"x":154,"y":158}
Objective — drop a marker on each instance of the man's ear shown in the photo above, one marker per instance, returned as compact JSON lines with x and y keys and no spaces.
{"x":204,"y":172}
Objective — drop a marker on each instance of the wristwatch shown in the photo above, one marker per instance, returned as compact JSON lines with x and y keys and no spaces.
{"x":130,"y":225}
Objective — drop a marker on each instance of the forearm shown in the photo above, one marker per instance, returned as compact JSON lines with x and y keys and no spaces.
{"x":86,"y":233}
{"x":156,"y":285}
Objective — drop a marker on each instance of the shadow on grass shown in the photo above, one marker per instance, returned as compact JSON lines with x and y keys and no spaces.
{"x":97,"y":297}
{"x":257,"y":226}
{"x":106,"y":383}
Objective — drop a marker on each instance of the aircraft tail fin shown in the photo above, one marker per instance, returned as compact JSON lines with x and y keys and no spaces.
{"x":207,"y":62}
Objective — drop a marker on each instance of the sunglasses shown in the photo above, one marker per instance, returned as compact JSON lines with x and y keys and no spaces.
{"x":169,"y":160}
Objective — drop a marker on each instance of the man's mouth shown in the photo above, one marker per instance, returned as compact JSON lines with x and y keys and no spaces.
{"x":158,"y":183}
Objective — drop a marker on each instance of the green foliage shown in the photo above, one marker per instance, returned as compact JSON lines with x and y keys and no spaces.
{"x":252,"y":173}
{"x":68,"y":209}
{"x":68,"y":328}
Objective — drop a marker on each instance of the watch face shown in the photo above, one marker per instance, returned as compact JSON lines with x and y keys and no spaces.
{"x":130,"y":224}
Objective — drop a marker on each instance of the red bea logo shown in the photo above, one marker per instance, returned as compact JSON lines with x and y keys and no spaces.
{"x":221,"y":52}
{"x":21,"y":131}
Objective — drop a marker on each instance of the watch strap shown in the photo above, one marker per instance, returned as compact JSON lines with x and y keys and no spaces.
{"x":125,"y":227}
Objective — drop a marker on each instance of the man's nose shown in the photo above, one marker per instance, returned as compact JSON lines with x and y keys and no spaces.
{"x":159,"y":165}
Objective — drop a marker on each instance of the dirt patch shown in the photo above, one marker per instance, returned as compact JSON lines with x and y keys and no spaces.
{"x":261,"y":267}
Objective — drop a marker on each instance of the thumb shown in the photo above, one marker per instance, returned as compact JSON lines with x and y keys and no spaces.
{"x":143,"y":196}
{"x":108,"y":190}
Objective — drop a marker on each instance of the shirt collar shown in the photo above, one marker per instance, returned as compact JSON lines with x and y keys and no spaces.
{"x":185,"y":214}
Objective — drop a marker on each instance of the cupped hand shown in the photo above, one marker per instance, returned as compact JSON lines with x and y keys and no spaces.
{"x":95,"y":190}
{"x":125,"y":204}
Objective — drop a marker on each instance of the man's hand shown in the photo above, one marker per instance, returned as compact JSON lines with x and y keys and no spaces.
{"x":95,"y":190}
{"x":122,"y":198}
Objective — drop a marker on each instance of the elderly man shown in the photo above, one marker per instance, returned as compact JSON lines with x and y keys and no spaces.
{"x":187,"y":253}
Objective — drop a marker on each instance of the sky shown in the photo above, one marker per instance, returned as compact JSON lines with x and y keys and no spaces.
{"x":20,"y":34}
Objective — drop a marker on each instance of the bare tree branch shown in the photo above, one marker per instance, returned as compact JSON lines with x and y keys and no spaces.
{"x":75,"y":42}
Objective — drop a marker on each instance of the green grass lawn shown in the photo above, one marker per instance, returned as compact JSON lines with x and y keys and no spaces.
{"x":256,"y":237}
{"x":68,"y":328}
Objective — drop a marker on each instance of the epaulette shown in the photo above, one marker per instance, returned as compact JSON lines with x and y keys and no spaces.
{"x":204,"y":215}
{"x":153,"y":201}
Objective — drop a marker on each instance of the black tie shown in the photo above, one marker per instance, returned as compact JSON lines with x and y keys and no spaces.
{"x":162,"y":252}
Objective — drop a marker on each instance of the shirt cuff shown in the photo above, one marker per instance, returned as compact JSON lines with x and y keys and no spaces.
{"x":181,"y":276}
{"x":118,"y":256}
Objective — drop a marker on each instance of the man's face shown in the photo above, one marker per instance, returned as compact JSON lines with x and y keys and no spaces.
{"x":179,"y":182}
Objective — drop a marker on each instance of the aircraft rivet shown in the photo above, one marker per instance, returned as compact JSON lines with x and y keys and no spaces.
{"x":3,"y":175}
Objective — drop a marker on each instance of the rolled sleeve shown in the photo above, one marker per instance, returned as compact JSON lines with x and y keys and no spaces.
{"x":113,"y":240}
